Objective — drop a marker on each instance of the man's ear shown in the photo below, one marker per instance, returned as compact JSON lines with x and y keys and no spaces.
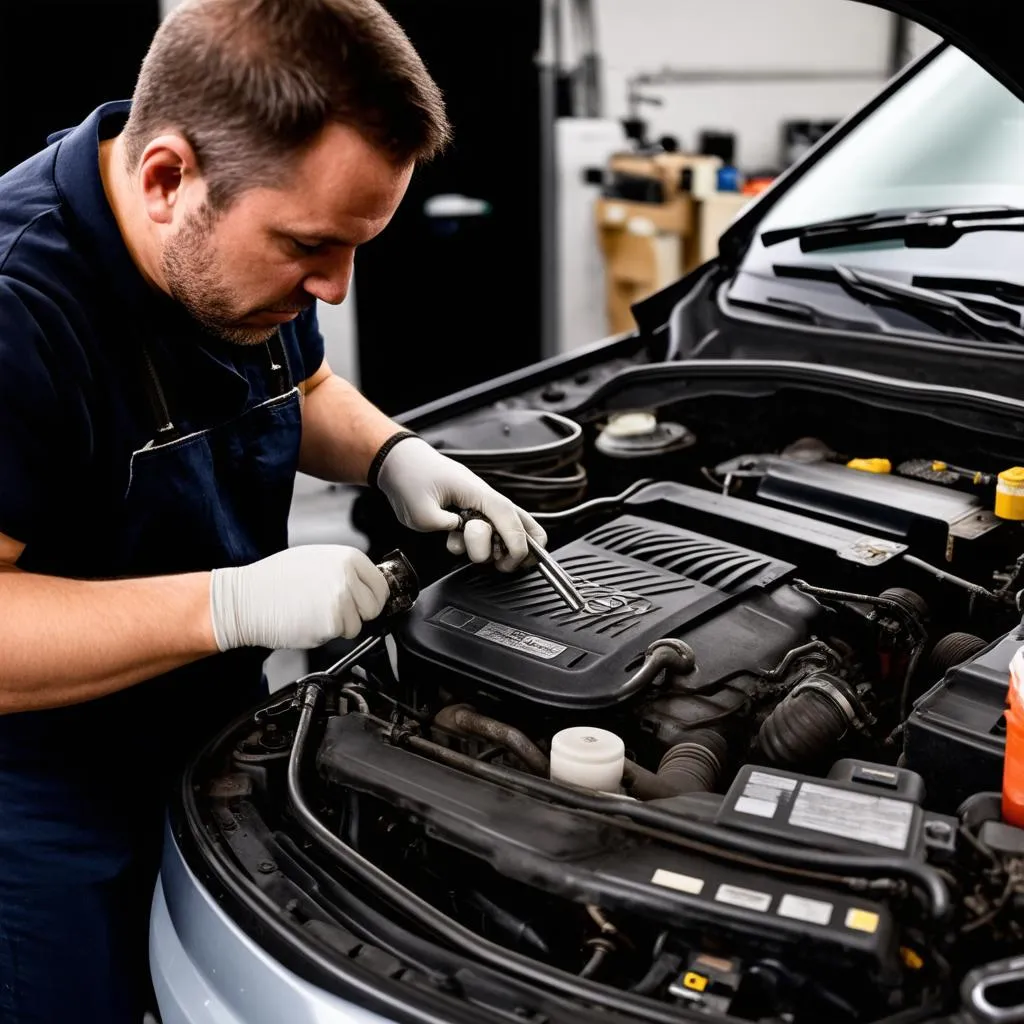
{"x":167,"y":170}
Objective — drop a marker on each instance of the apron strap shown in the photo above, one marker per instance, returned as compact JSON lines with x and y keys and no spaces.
{"x":165,"y":428}
{"x":281,"y":383}
{"x":280,"y":366}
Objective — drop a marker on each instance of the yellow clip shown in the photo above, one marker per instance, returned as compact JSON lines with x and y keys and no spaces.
{"x":870,"y":465}
{"x":910,"y":958}
{"x":695,"y":981}
{"x":940,"y":467}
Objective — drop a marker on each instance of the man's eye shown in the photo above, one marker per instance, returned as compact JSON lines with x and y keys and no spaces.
{"x":306,"y":249}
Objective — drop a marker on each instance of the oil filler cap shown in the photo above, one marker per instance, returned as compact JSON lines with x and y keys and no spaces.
{"x":1010,"y":493}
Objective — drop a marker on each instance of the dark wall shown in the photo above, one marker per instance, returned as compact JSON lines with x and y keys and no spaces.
{"x":59,"y":60}
{"x":444,"y":305}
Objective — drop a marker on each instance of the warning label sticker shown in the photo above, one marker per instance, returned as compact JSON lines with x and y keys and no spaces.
{"x":674,"y":880}
{"x":751,"y":899}
{"x":838,"y":812}
{"x":759,"y":808}
{"x":761,"y":794}
{"x":772,"y":781}
{"x":526,"y":643}
{"x":802,"y":908}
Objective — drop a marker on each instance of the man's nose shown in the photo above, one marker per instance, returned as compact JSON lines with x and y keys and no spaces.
{"x":330,"y":283}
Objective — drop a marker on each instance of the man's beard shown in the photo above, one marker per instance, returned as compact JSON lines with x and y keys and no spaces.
{"x":189,"y":266}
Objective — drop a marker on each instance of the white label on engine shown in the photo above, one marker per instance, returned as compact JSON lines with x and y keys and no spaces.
{"x":800,"y":908}
{"x":527,"y":643}
{"x":761,"y":794}
{"x":838,"y":812}
{"x":773,"y":781}
{"x":759,"y":808}
{"x":751,"y":899}
{"x":674,"y":880}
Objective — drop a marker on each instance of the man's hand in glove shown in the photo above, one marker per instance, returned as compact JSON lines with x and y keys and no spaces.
{"x":422,"y":485}
{"x":296,"y":599}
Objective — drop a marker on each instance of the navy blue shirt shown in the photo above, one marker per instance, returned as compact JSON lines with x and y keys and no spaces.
{"x":74,"y":311}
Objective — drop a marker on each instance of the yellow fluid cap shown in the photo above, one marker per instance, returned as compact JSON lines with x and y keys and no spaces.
{"x":1010,"y":494}
{"x":870,"y":465}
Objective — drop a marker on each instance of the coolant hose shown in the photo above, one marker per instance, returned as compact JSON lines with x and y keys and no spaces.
{"x":665,"y":655}
{"x":804,"y":728}
{"x":461,"y":718}
{"x":693,"y":766}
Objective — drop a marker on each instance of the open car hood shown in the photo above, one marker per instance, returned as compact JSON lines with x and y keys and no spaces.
{"x":980,"y":28}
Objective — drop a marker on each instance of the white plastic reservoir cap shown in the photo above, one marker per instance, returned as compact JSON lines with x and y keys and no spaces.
{"x":631,"y":424}
{"x":587,"y":757}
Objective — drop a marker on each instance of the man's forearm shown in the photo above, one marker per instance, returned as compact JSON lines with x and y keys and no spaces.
{"x":68,"y":641}
{"x":341,"y":432}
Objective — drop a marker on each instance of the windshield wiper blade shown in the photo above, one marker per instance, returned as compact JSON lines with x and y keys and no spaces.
{"x":930,"y":306}
{"x":919,"y":229}
{"x":1004,"y":291}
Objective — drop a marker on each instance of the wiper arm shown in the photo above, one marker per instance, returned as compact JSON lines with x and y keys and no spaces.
{"x":801,"y":312}
{"x":920,"y":229}
{"x":873,"y":289}
{"x":1008,"y":292}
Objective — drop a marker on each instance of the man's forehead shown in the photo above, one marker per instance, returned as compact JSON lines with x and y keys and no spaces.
{"x":339,"y":187}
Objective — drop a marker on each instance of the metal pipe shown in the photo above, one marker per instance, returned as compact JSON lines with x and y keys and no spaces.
{"x":357,"y":698}
{"x":462,"y":718}
{"x":948,"y":577}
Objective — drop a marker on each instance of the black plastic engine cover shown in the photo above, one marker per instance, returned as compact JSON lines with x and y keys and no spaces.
{"x":652,"y":580}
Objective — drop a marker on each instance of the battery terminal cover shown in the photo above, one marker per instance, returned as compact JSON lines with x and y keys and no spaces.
{"x":1010,"y":494}
{"x":870,"y":465}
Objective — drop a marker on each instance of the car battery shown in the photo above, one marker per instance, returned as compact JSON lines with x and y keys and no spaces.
{"x":955,"y":737}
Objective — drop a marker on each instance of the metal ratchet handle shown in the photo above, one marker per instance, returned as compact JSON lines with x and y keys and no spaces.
{"x":561,"y":582}
{"x":558,"y":579}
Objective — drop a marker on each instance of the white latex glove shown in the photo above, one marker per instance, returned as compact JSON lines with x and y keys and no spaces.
{"x":421,"y":484}
{"x":296,"y":599}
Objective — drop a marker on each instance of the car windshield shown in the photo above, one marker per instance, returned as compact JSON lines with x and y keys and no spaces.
{"x":952,"y":136}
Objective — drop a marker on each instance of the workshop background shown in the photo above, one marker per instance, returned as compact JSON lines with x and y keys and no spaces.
{"x":601,"y":148}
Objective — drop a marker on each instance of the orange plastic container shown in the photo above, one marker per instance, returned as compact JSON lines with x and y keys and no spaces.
{"x":1013,"y":766}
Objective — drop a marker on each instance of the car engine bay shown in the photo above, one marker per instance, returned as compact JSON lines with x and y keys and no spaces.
{"x":755,"y":778}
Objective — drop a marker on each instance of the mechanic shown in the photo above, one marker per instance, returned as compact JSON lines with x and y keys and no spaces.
{"x":162,"y":379}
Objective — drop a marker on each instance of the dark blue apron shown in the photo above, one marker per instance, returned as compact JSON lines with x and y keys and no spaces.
{"x":82,"y":788}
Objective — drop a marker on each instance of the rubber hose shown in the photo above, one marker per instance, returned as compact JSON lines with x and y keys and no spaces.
{"x":953,"y":649}
{"x":695,"y":765}
{"x":801,"y":729}
{"x":647,"y":785}
{"x":665,"y":655}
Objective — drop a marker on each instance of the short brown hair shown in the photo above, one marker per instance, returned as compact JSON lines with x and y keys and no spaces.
{"x":250,"y":82}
